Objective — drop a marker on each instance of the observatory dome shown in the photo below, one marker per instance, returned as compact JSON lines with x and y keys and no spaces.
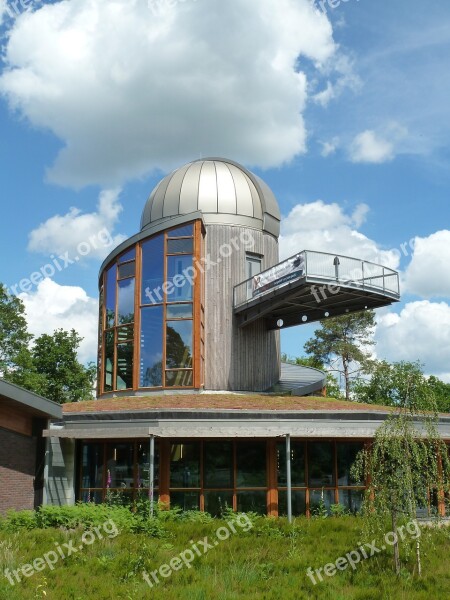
{"x":221,"y":190}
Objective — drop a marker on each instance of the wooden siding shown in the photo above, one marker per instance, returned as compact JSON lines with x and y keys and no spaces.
{"x":245,"y":359}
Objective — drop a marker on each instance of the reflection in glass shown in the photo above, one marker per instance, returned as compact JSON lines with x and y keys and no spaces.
{"x":151,"y":346}
{"x":124,"y":366}
{"x":252,"y":502}
{"x":297,"y":464}
{"x":119,"y":465}
{"x":184,"y":230}
{"x":183,"y":246}
{"x":217,"y":502}
{"x":125,"y":303}
{"x":298,"y":503}
{"x":92,"y":466}
{"x":185,"y":500}
{"x":320,"y":464}
{"x":152,"y":270}
{"x":179,"y":344}
{"x":218,"y":464}
{"x":251,"y":464}
{"x":126,"y":270}
{"x":110,"y":292}
{"x":351,"y":499}
{"x":143,"y":471}
{"x":316,"y":497}
{"x":180,"y":267}
{"x":179,"y":378}
{"x":179,"y":311}
{"x":109,"y":361}
{"x":185,"y":465}
{"x":346,"y":456}
{"x":129,"y":255}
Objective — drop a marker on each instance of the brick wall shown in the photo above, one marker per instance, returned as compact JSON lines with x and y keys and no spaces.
{"x":17,"y":470}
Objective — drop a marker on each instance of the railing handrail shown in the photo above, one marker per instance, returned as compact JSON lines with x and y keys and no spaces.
{"x":386,"y":271}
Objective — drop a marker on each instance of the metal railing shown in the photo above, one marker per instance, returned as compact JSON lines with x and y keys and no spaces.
{"x":321,"y":268}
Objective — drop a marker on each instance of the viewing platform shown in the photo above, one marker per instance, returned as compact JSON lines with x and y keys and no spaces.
{"x":311,"y":286}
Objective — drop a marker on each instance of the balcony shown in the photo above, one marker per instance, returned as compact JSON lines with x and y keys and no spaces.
{"x":311,"y":286}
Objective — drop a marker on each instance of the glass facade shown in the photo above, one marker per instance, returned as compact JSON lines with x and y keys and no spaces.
{"x":119,"y":469}
{"x":213,"y":475}
{"x":320,"y":476}
{"x":148,"y":333}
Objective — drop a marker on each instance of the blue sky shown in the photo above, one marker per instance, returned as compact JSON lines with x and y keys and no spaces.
{"x":346,"y":115}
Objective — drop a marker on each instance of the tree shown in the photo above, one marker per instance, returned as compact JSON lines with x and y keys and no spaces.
{"x":333,"y":389}
{"x":14,"y":336}
{"x":406,"y":465}
{"x":441,"y":391}
{"x":390,"y":384}
{"x":342,"y":345}
{"x":65,"y":378}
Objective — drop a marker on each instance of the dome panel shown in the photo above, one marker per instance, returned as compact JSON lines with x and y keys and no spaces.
{"x":243,"y":194}
{"x":226,"y":191}
{"x":207,"y":189}
{"x":189,"y":189}
{"x":221,"y":190}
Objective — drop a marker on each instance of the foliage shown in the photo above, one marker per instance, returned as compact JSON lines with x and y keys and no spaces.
{"x":49,"y":366}
{"x":390,"y":385}
{"x":55,"y":357}
{"x":14,"y":336}
{"x":268,"y":562}
{"x":406,"y":462}
{"x":342,"y":345}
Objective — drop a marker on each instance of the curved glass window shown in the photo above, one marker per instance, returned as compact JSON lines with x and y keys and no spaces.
{"x":158,"y":276}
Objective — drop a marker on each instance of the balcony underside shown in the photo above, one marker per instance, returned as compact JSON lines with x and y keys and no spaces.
{"x":310,"y":299}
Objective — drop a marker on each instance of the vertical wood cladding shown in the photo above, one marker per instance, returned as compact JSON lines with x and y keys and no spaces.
{"x":244,"y":359}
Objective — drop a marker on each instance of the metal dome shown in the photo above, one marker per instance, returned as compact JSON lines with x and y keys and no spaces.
{"x":221,"y":190}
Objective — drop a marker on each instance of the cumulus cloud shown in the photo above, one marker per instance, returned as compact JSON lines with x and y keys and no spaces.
{"x":129,"y":89}
{"x":328,"y":228}
{"x":369,"y":147}
{"x":427,"y":274}
{"x":54,"y":306}
{"x":378,"y":147}
{"x":80,"y":234}
{"x":421,"y":331}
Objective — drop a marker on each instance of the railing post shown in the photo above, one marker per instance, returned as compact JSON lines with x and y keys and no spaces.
{"x":363,"y":276}
{"x":288,"y":478}
{"x":384,"y":281}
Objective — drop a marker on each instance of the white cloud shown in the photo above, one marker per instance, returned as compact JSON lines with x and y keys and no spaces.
{"x":328,"y":228}
{"x":369,"y":147}
{"x":420,"y":332}
{"x":325,"y":96}
{"x":378,"y":147}
{"x":88,"y":234}
{"x":54,"y":306}
{"x":427,"y":274}
{"x":129,"y":89}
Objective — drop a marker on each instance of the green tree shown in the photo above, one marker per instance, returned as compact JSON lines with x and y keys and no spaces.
{"x":407,"y":463}
{"x":65,"y":378}
{"x":441,"y":391}
{"x":342,"y":343}
{"x":14,"y":336}
{"x":390,"y":384}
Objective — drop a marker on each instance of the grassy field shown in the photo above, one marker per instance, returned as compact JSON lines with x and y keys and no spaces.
{"x":267,"y":561}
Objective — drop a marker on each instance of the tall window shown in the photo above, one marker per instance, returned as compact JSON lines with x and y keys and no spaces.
{"x":118,"y":345}
{"x":167,"y":309}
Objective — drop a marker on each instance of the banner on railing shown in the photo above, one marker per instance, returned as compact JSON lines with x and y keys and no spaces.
{"x":290,"y":269}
